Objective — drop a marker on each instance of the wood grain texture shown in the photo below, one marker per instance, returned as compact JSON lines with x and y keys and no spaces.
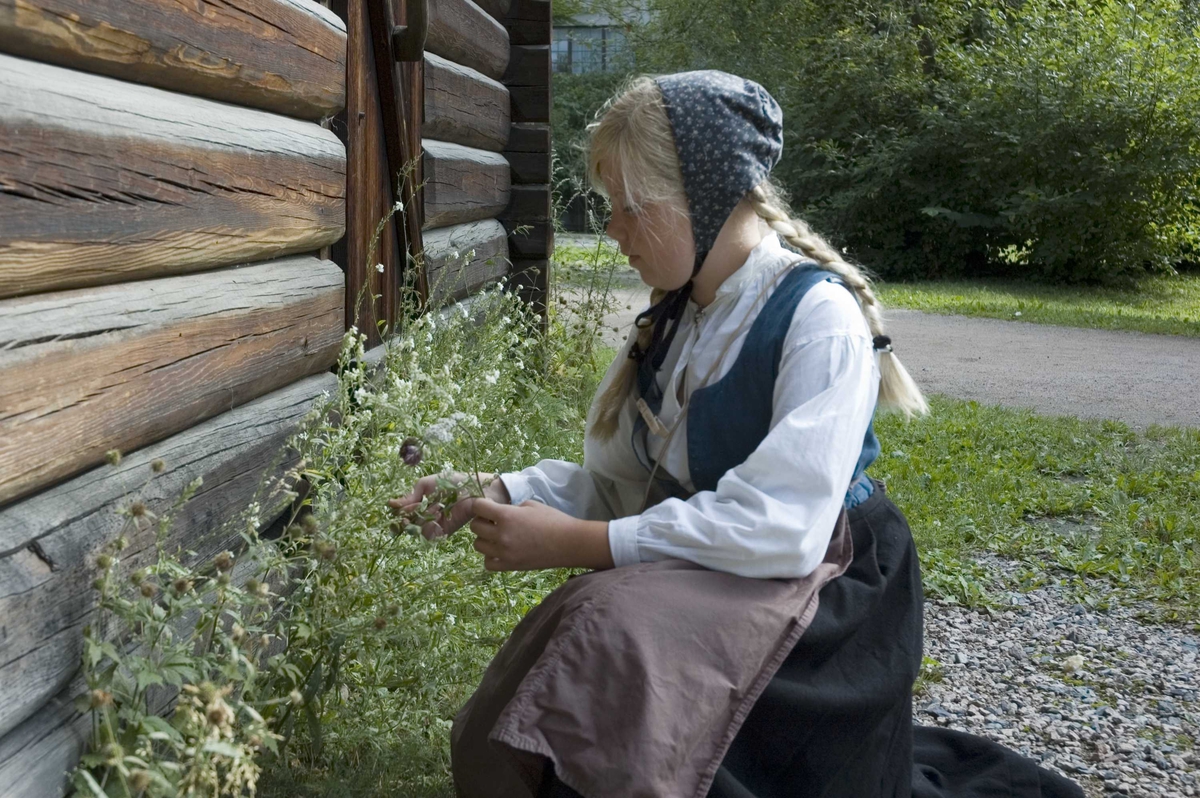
{"x":48,"y":543}
{"x":528,"y":21}
{"x":497,"y":8}
{"x":118,"y":367}
{"x":463,"y":106}
{"x":463,"y":258}
{"x":36,"y":756}
{"x":463,"y":184}
{"x":528,"y":204}
{"x":461,"y":31}
{"x":530,"y":103}
{"x":286,"y":56}
{"x":103,"y":181}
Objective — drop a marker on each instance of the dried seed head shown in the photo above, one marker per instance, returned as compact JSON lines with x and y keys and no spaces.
{"x":148,"y":590}
{"x":393,"y":609}
{"x":410,"y":452}
{"x":99,"y":583}
{"x":207,"y":691}
{"x":310,"y":524}
{"x":113,"y":753}
{"x":223,"y":580}
{"x":99,"y":699}
{"x":138,"y":576}
{"x":263,"y":590}
{"x":223,"y":561}
{"x":219,"y":714}
{"x":264,"y":641}
{"x":139,"y":780}
{"x":158,"y":466}
{"x":238,"y":633}
{"x":251,"y":585}
{"x":294,"y":530}
{"x":104,"y":561}
{"x":113,"y":456}
{"x":138,"y":509}
{"x":326,"y":549}
{"x":380,"y":622}
{"x":181,"y":585}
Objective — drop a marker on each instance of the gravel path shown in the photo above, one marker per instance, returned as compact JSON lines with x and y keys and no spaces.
{"x":1108,"y":700}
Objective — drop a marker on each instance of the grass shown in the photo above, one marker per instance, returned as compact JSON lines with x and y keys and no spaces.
{"x":1165,"y":305}
{"x":1092,"y":498}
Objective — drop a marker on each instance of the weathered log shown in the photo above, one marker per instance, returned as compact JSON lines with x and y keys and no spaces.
{"x":528,"y":153}
{"x":287,"y":56}
{"x":464,"y":106}
{"x":463,"y":258}
{"x":49,"y":543}
{"x":36,"y":756}
{"x":463,"y":184}
{"x":497,"y":8}
{"x":528,"y":65}
{"x":528,"y":204}
{"x":530,"y":103}
{"x":529,"y":240}
{"x":528,"y":21}
{"x":463,"y":32}
{"x":119,"y":367}
{"x":103,"y":181}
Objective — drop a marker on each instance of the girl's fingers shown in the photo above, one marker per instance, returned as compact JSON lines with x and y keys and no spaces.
{"x":487,"y":549}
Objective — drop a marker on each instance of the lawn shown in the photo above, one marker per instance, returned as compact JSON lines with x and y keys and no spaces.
{"x":1166,"y":305}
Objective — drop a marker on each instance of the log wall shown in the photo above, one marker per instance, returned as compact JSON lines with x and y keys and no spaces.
{"x":183,"y":241}
{"x":166,"y":194}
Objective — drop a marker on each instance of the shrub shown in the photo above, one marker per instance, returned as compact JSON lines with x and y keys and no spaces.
{"x":1042,"y":138}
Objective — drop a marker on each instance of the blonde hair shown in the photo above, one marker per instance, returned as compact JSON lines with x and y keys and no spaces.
{"x":632,"y":134}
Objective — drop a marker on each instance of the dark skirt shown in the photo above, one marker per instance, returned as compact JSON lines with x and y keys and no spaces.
{"x":836,"y":720}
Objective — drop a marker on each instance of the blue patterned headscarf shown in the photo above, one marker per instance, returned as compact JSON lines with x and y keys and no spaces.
{"x":728,"y":135}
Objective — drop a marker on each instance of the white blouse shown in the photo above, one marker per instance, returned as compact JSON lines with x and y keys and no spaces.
{"x":772,"y":516}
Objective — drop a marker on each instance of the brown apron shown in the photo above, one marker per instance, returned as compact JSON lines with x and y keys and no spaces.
{"x":633,"y":681}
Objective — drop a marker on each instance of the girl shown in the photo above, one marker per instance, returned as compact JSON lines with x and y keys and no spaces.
{"x":753,"y":623}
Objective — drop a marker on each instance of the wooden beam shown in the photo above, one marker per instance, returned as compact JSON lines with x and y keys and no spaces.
{"x":497,"y":8}
{"x":103,"y":181}
{"x":119,"y":367}
{"x":536,"y":241}
{"x":528,"y":204}
{"x":463,"y":184}
{"x":528,"y":153}
{"x":49,"y":543}
{"x":464,"y":106}
{"x":528,"y":65}
{"x":528,"y":22}
{"x":36,"y":756}
{"x":530,"y":103}
{"x":461,"y":31}
{"x":286,"y":56}
{"x":463,"y":258}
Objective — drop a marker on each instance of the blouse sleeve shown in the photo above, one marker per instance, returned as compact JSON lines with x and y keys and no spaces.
{"x":773,"y":515}
{"x":565,"y":486}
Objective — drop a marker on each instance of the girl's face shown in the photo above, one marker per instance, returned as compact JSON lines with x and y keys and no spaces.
{"x":657,"y":241}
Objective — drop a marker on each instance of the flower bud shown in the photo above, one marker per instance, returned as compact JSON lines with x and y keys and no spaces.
{"x":182,"y":586}
{"x":113,"y":753}
{"x":223,"y":561}
{"x":148,"y":590}
{"x":113,"y":457}
{"x":410,"y":452}
{"x":158,"y":466}
{"x":310,"y":524}
{"x":380,"y":622}
{"x":296,"y":697}
{"x":104,"y":561}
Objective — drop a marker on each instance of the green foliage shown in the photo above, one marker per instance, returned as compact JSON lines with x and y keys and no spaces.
{"x":1041,"y":138}
{"x":577,"y":98}
{"x":348,"y":638}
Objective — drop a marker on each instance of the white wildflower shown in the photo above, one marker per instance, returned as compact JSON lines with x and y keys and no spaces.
{"x":379,"y":268}
{"x":492,"y":376}
{"x":441,"y":431}
{"x":398,"y":207}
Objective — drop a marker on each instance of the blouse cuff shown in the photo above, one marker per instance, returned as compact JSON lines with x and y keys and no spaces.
{"x":622,"y":540}
{"x":519,"y":490}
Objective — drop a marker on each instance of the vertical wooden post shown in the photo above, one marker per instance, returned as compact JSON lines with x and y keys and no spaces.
{"x":528,"y":217}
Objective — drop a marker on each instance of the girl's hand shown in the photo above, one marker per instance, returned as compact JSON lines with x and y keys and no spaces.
{"x":445,"y":522}
{"x":532,"y":536}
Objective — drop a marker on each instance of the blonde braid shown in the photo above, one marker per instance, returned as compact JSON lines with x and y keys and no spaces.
{"x":897,"y":391}
{"x":607,"y":409}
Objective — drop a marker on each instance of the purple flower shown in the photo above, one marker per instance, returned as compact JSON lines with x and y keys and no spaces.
{"x":410,"y":451}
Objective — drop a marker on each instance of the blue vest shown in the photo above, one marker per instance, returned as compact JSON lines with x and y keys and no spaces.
{"x":730,"y":418}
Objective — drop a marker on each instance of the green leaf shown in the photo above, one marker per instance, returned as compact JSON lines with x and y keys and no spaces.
{"x":222,"y":748}
{"x":84,"y":781}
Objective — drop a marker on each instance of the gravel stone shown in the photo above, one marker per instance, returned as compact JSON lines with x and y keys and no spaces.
{"x":1100,"y":696}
